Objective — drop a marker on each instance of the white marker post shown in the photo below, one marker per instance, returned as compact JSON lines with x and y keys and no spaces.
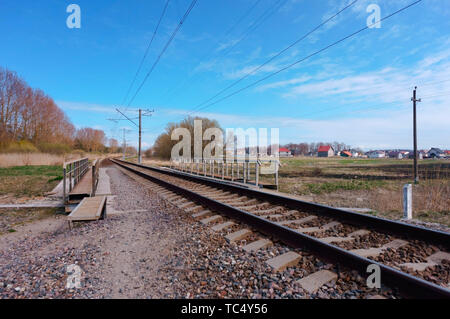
{"x":407,"y":201}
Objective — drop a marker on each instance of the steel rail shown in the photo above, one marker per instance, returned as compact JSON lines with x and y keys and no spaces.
{"x":378,"y":223}
{"x":408,"y":285}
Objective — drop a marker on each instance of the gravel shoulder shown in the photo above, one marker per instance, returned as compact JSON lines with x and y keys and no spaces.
{"x":159,"y":252}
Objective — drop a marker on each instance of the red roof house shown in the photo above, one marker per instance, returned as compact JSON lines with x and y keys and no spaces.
{"x":283,"y":151}
{"x":325,"y":151}
{"x":346,"y":154}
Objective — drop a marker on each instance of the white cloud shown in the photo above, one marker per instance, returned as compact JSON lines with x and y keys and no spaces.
{"x":77,"y":106}
{"x":386,"y":128}
{"x":385,"y":85}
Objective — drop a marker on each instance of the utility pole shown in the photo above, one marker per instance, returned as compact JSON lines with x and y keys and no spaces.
{"x":124,"y":145}
{"x":140,"y":137}
{"x":415,"y":100}
{"x":145,"y":113}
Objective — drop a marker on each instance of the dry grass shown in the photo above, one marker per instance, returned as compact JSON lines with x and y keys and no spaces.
{"x":26,"y":159}
{"x":374,"y":184}
{"x":29,"y":181}
{"x":155,"y":162}
{"x":32,"y":159}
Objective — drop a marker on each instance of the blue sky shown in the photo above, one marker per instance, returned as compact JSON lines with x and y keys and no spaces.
{"x":357,"y":92}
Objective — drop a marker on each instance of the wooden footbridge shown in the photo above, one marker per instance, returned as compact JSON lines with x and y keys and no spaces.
{"x":80,"y":181}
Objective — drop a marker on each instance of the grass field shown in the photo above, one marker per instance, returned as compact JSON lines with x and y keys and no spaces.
{"x":29,"y":181}
{"x":370,"y":183}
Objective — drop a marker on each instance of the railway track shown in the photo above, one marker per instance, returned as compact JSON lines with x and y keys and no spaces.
{"x":413,"y":261}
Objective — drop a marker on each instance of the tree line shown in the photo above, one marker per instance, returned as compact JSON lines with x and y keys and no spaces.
{"x":163,"y":145}
{"x":31,"y":120}
{"x":311,"y":148}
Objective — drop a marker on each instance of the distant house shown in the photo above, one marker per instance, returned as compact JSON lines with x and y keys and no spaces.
{"x":325,"y":151}
{"x":396,"y":154}
{"x":346,"y":154}
{"x":376,"y":154}
{"x":284,"y":152}
{"x":436,"y":153}
{"x":420,"y":155}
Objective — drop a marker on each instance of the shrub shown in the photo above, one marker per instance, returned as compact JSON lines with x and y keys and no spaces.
{"x":20,"y":147}
{"x":54,"y":148}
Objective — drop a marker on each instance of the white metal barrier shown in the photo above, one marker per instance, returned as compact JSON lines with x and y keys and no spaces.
{"x":245,"y":169}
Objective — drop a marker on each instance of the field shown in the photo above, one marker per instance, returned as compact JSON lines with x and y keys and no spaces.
{"x":370,"y":183}
{"x":28,"y":181}
{"x":19,"y":184}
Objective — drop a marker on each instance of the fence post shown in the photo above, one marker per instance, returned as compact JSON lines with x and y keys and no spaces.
{"x":204,"y":167}
{"x":70,"y":177}
{"x":257,"y":173}
{"x":407,"y":201}
{"x":276,"y":174}
{"x":93,"y":180}
{"x":64,"y":183}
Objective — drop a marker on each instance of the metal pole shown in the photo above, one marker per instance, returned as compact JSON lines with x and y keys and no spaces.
{"x":124,"y":144}
{"x":407,"y":201}
{"x":93,"y":180}
{"x":276,"y":174}
{"x":64,"y":184}
{"x":70,"y":177}
{"x":204,"y":167}
{"x":226,"y":164}
{"x":140,"y":137}
{"x":257,"y":173}
{"x":416,"y":168}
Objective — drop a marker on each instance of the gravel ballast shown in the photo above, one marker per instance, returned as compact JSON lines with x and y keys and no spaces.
{"x":160,"y":252}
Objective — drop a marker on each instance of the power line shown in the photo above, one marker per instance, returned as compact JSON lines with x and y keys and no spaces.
{"x":433,"y":83}
{"x":183,"y":19}
{"x":127,"y":117}
{"x":146,"y":51}
{"x":211,"y":51}
{"x":437,"y":95}
{"x":259,"y":21}
{"x":309,"y":56}
{"x":242,"y":18}
{"x":275,"y":56}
